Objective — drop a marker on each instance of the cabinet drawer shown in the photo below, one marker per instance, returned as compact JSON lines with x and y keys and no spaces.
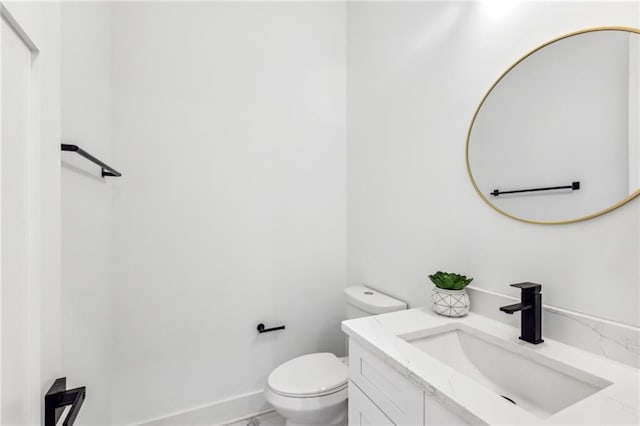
{"x":363,"y":412}
{"x":400,"y":400}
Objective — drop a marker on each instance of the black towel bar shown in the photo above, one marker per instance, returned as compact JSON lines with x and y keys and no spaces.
{"x":574,"y":187}
{"x":106,"y":169}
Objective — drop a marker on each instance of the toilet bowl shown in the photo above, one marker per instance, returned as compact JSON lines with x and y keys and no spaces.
{"x":312,"y":389}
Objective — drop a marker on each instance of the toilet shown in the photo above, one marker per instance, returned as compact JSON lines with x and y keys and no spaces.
{"x":312,"y":389}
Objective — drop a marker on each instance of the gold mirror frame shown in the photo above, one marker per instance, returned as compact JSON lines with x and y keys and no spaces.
{"x":484,"y":98}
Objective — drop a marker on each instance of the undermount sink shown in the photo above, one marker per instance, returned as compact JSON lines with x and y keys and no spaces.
{"x":535,"y":383}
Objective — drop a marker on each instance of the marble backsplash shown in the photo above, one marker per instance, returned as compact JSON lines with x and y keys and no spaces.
{"x":613,"y":340}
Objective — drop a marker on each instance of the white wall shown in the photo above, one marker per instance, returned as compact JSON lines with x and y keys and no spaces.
{"x":87,"y":232}
{"x":416,"y":73}
{"x":41,"y":21}
{"x":229,"y":127}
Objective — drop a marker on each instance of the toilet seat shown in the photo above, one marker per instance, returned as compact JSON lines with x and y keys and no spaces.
{"x":309,"y":376}
{"x":318,"y":411}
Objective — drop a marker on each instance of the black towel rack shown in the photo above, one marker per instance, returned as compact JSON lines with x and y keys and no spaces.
{"x":106,"y":169}
{"x":57,"y":398}
{"x":574,"y":187}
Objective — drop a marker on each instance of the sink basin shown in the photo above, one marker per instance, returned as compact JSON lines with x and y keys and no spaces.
{"x":520,"y":375}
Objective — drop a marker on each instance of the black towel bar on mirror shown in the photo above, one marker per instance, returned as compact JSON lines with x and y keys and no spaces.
{"x":106,"y":169}
{"x":574,"y":187}
{"x":57,"y":398}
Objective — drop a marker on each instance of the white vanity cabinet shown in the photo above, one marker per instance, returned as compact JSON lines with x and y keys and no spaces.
{"x":362,"y":411}
{"x":414,"y":367}
{"x":379,"y":395}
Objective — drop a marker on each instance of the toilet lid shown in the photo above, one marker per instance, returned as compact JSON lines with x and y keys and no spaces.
{"x":309,"y":375}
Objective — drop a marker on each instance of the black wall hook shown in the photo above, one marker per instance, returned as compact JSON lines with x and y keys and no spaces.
{"x":261,"y":329}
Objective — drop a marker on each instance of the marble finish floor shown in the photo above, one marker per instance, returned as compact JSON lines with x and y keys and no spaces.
{"x":269,"y":419}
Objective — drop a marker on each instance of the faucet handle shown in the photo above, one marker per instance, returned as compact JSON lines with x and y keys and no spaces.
{"x":527,"y":287}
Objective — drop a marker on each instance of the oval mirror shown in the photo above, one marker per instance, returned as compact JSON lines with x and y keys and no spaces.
{"x":556,"y":137}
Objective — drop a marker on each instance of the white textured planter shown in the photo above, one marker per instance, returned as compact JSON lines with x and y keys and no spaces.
{"x":450,"y":303}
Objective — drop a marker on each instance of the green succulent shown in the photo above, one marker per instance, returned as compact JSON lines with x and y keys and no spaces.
{"x":450,"y":281}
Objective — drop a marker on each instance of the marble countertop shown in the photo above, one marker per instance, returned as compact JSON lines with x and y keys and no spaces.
{"x":386,"y":337}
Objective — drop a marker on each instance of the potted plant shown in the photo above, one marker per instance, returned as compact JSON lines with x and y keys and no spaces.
{"x":449,"y":296}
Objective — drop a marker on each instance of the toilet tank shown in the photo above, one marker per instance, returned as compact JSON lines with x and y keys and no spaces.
{"x":363,"y":301}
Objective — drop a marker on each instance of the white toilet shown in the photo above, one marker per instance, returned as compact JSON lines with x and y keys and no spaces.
{"x":312,"y":389}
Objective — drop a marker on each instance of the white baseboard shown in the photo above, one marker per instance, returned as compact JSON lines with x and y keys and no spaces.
{"x":217,"y":413}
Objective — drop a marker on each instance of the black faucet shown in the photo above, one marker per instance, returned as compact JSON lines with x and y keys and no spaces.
{"x":531,"y":307}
